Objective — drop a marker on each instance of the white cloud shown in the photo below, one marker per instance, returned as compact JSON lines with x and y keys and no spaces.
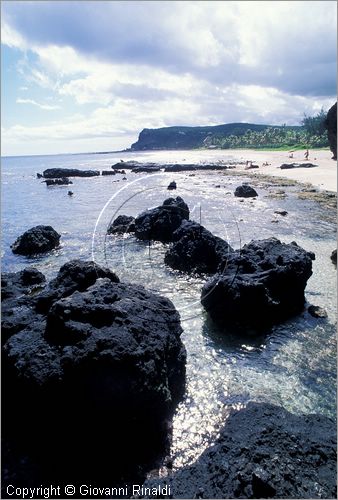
{"x":47,"y":107}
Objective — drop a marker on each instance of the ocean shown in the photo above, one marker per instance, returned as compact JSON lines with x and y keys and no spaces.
{"x":293,"y":366}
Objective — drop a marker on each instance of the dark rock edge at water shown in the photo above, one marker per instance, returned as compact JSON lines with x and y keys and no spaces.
{"x":263,"y":451}
{"x":36,"y":240}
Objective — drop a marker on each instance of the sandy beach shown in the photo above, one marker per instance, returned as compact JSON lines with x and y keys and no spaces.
{"x":323,"y":176}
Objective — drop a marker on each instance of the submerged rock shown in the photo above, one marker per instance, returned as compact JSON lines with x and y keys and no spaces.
{"x":159,"y":223}
{"x":196,"y":249}
{"x":263,"y":451}
{"x":122,"y":224}
{"x":259,"y":285}
{"x":38,"y":239}
{"x":51,"y":173}
{"x":245,"y":191}
{"x":100,"y":370}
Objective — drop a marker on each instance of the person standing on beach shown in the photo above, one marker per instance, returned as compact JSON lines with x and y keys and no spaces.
{"x":306,"y":154}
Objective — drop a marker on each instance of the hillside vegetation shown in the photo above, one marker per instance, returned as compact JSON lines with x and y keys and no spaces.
{"x":311,"y":134}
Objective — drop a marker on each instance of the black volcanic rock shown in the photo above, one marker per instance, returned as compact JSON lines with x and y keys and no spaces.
{"x":331,"y":126}
{"x":195,"y":249}
{"x":99,"y":372}
{"x":259,"y":285}
{"x":333,"y":256}
{"x":177,"y":167}
{"x":62,"y":181}
{"x":159,"y":223}
{"x":146,"y":169}
{"x":245,"y":191}
{"x":263,"y":451}
{"x":122,"y":224}
{"x":52,"y":173}
{"x":17,"y":292}
{"x":286,"y":166}
{"x":38,"y":239}
{"x":172,"y":186}
{"x":75,"y":275}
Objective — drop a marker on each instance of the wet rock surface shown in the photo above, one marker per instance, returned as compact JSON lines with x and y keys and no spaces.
{"x":159,"y":223}
{"x":259,"y":285}
{"x":245,"y":191}
{"x":38,"y":239}
{"x":100,"y":370}
{"x":196,"y":249}
{"x":122,"y":224}
{"x":51,"y":173}
{"x":263,"y":451}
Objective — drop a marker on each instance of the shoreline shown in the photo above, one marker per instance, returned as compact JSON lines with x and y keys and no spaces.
{"x":323,"y":177}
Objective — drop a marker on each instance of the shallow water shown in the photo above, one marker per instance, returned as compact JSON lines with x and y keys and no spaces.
{"x":294,"y":365}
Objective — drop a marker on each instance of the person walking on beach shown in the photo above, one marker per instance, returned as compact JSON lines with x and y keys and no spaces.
{"x":306,"y":154}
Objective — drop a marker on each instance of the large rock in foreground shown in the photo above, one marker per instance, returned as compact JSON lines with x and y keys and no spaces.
{"x":38,"y":239}
{"x":52,"y":173}
{"x":159,"y":223}
{"x":259,"y":285}
{"x":196,"y":249}
{"x":100,"y":366}
{"x":263,"y":451}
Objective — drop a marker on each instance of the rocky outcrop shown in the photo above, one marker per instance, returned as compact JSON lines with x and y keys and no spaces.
{"x":146,"y":169}
{"x":17,"y":292}
{"x":100,"y":368}
{"x":113,"y":172}
{"x":38,"y":239}
{"x":177,"y":167}
{"x":259,"y":285}
{"x":245,"y":191}
{"x":197,"y":250}
{"x":52,"y":173}
{"x":75,"y":275}
{"x":333,"y":256}
{"x":159,"y":223}
{"x":263,"y":451}
{"x":122,"y":224}
{"x":62,"y":181}
{"x":331,"y":126}
{"x":172,"y":186}
{"x":285,"y":166}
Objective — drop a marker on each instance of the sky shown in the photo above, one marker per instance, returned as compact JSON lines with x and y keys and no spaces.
{"x":81,"y":76}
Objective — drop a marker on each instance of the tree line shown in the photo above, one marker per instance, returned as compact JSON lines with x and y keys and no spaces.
{"x":312,"y":134}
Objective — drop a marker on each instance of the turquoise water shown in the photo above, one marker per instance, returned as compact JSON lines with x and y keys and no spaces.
{"x":294,"y":365}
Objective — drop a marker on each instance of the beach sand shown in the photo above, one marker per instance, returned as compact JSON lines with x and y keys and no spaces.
{"x":323,"y":176}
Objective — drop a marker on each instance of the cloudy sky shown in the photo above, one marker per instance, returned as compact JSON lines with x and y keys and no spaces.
{"x":83,"y":76}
